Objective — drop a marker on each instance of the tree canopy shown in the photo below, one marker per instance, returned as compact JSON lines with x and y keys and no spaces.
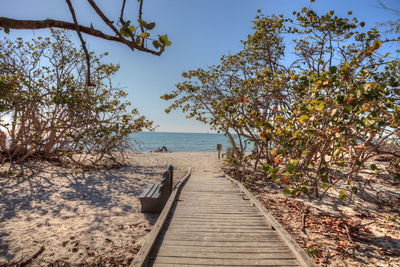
{"x":304,"y":90}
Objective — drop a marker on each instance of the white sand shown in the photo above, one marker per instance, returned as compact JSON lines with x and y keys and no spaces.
{"x":83,"y":217}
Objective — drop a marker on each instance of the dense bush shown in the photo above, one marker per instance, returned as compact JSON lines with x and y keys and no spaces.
{"x":317,"y":95}
{"x":47,"y":111}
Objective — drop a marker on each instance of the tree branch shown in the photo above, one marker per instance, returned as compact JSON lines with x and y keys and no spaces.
{"x":121,"y":17}
{"x":140,"y":14}
{"x":105,"y":19}
{"x":51,"y":23}
{"x":71,"y":9}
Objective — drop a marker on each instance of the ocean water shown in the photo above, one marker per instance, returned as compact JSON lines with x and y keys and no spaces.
{"x":179,"y":142}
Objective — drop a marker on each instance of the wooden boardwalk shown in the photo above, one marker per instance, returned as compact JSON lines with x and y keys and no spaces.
{"x":213,"y":223}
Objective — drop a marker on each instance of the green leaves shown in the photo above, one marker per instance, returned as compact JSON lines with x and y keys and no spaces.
{"x":127,"y":30}
{"x":150,"y":26}
{"x":303,"y":118}
{"x":156,"y":44}
{"x":354,"y":190}
{"x":164,"y":40}
{"x":6,"y":29}
{"x":290,"y":168}
{"x":343,"y":195}
{"x":144,"y":34}
{"x":374,"y":168}
{"x":147,"y":26}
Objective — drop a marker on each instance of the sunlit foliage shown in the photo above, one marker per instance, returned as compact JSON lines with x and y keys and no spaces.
{"x":317,"y":95}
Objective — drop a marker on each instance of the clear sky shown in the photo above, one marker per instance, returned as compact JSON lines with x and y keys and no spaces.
{"x":200,"y":30}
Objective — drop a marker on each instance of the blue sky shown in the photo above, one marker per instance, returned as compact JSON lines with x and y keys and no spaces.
{"x":200,"y":31}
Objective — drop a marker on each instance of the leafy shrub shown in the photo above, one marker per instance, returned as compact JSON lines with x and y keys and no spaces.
{"x":47,"y":111}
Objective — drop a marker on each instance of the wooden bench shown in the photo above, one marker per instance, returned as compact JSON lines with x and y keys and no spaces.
{"x":155,"y":196}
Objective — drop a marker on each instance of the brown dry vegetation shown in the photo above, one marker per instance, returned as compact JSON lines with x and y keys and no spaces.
{"x":364,"y":230}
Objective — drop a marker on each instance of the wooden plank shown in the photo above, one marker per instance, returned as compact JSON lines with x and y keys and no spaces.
{"x":216,"y":194}
{"x":244,"y":244}
{"x":223,"y":228}
{"x":224,"y":255}
{"x":219,"y":206}
{"x":152,"y":191}
{"x":221,"y":209}
{"x":182,"y":229}
{"x":226,"y":262}
{"x":220,"y":218}
{"x":184,"y":203}
{"x":238,"y":238}
{"x":269,"y":234}
{"x":215,"y":208}
{"x":193,"y":225}
{"x":227,"y":217}
{"x":245,"y":222}
{"x":216,"y":215}
{"x":143,"y":255}
{"x":213,"y":202}
{"x":210,"y":192}
{"x":222,"y":212}
{"x":274,"y":248}
{"x":147,"y":190}
{"x":227,"y":213}
{"x":211,"y":199}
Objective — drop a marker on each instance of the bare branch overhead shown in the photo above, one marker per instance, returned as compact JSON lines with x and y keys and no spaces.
{"x":125,"y":33}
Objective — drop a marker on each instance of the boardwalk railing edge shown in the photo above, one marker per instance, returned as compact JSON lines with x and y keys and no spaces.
{"x":145,"y":251}
{"x":298,"y":252}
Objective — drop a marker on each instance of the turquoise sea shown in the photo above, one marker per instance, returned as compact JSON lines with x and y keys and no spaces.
{"x":179,"y":142}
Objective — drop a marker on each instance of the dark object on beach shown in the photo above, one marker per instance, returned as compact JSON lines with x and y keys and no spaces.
{"x":155,"y":196}
{"x":219,"y":148}
{"x":162,"y":149}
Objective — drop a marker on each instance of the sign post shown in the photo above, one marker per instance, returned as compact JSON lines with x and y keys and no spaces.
{"x":219,"y":148}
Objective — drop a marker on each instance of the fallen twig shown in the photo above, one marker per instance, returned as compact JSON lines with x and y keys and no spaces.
{"x":303,"y":228}
{"x":40,"y":251}
{"x":348,"y":233}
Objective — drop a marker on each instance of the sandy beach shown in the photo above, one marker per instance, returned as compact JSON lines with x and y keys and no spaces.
{"x":83,"y":217}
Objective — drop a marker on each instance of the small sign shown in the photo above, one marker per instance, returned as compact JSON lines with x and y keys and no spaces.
{"x":219,"y":148}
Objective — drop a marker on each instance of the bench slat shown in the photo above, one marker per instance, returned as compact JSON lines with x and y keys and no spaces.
{"x":146,"y":191}
{"x":157,"y":193}
{"x":153,"y":190}
{"x":149,"y":191}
